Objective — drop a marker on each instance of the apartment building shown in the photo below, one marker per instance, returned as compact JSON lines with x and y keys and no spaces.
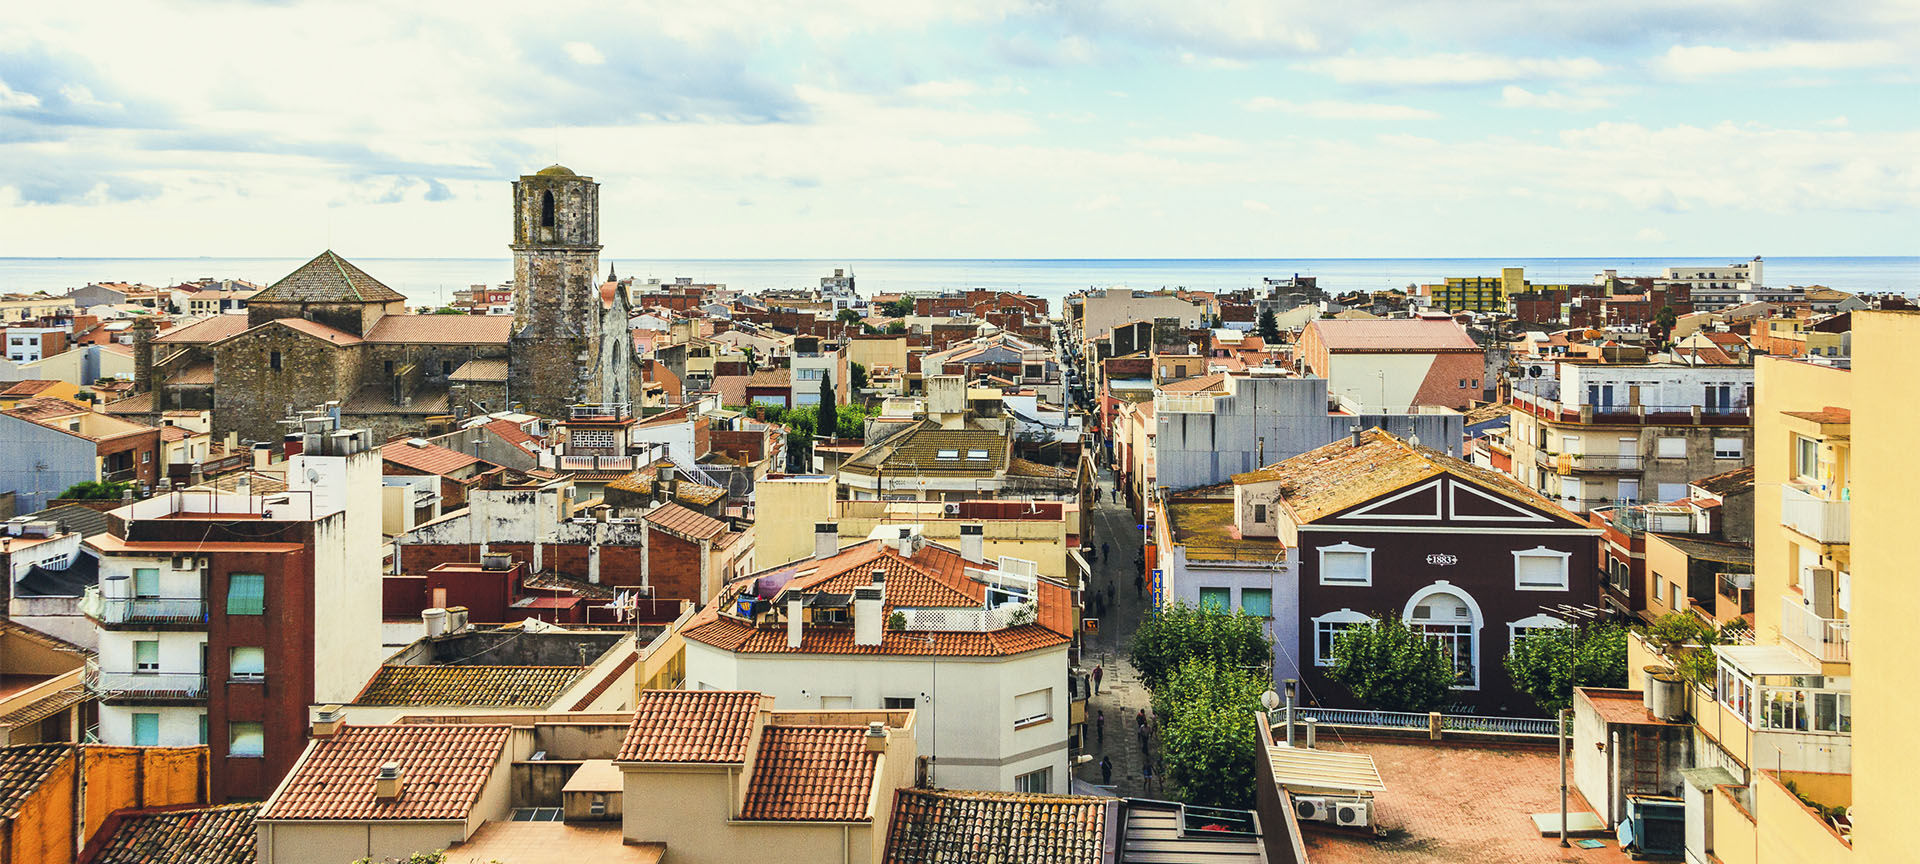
{"x":895,"y":622}
{"x":222,"y":615}
{"x":1392,"y":365}
{"x":1592,"y":434}
{"x":33,"y":344}
{"x":47,"y":445}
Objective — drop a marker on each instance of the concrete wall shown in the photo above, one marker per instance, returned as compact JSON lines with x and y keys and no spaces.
{"x":38,"y":463}
{"x":785,"y":510}
{"x":1290,"y":414}
{"x":686,"y":809}
{"x":337,"y":843}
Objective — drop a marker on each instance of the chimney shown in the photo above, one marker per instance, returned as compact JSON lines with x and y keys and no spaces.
{"x":826,"y":540}
{"x":906,"y":543}
{"x":262,"y":454}
{"x":793,"y":622}
{"x":876,"y":737}
{"x":869,"y":608}
{"x":327,"y":721}
{"x":293,"y":444}
{"x":388,"y":784}
{"x":1356,"y":435}
{"x":973,"y":540}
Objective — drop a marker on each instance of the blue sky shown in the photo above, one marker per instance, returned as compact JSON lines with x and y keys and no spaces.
{"x":1007,"y":128}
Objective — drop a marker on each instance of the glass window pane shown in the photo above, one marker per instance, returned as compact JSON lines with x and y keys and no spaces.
{"x":246,"y":594}
{"x":245,"y":739}
{"x":1257,"y":602}
{"x":146,"y":582}
{"x":248,"y":662}
{"x":146,"y":655}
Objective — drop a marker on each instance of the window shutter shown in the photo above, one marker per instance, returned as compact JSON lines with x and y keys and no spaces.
{"x":1538,"y":571}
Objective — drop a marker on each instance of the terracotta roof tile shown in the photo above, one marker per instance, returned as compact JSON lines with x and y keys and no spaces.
{"x":690,"y":523}
{"x":770,"y":378}
{"x":471,"y":686}
{"x":22,"y":389}
{"x":21,"y":770}
{"x":443,"y":329}
{"x":929,"y":449}
{"x":1198,"y":384}
{"x":1393,"y":334}
{"x":41,"y":408}
{"x":443,"y":769}
{"x":203,"y":331}
{"x":328,"y":278}
{"x":511,"y":432}
{"x":482,"y":369}
{"x":1737,"y":480}
{"x":955,"y":827}
{"x":740,"y":637}
{"x":200,"y":835}
{"x":432,"y":458}
{"x":811,"y":773}
{"x":708,"y":726}
{"x":732,"y":388}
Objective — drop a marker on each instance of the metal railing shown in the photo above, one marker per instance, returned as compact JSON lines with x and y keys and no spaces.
{"x":1737,"y":587}
{"x":1815,"y":516}
{"x":149,"y":685}
{"x":1588,"y":461}
{"x":153,"y":610}
{"x":1409,"y":720}
{"x":1828,"y":639}
{"x":967,"y":620}
{"x":1181,"y":403}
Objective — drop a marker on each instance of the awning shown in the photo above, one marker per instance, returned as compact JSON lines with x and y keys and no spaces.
{"x":1300,"y":768}
{"x":1758,"y":660}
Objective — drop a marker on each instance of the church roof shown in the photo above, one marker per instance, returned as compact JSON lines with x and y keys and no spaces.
{"x":556,"y":170}
{"x":328,"y":278}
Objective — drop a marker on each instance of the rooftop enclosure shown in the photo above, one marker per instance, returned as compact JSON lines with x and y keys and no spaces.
{"x":513,"y":648}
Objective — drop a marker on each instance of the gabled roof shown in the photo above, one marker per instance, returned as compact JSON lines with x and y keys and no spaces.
{"x":685,"y":522}
{"x":443,"y":769}
{"x":203,"y":331}
{"x":483,"y":369}
{"x":442,"y":329}
{"x":41,"y":408}
{"x":29,"y":387}
{"x":1332,"y":478}
{"x":812,"y":774}
{"x":328,"y":278}
{"x":426,"y":457}
{"x":222,"y":834}
{"x":21,"y":770}
{"x":469,"y":686}
{"x":957,"y":827}
{"x":84,"y":521}
{"x":1197,"y":384}
{"x":704,"y":726}
{"x":1393,"y":334}
{"x":1728,"y":482}
{"x":511,"y":433}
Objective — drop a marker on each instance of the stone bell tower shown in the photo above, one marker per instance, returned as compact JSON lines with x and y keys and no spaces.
{"x":558,"y":318}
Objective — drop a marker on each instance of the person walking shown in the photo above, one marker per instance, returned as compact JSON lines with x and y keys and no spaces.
{"x":1146,"y":776}
{"x":1103,"y":550}
{"x":1100,"y":726}
{"x":1106,"y":771}
{"x":1096,"y":678}
{"x":1143,"y":739}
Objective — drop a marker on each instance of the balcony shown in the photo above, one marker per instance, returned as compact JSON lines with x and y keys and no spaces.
{"x":1826,"y":639}
{"x":1588,"y":463}
{"x":1556,"y":411}
{"x":1737,"y":589}
{"x":149,"y":688}
{"x":1813,"y":515}
{"x":145,"y":613}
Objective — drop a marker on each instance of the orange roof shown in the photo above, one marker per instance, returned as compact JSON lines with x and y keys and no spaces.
{"x":689,"y":523}
{"x":442,"y":770}
{"x":1826,"y":416}
{"x":204,"y":331}
{"x":811,"y":773}
{"x":988,"y":826}
{"x":21,"y":389}
{"x":511,"y":432}
{"x":320,"y":331}
{"x":41,"y":408}
{"x":734,"y":635}
{"x":692,"y":726}
{"x":430,"y":458}
{"x":443,"y":329}
{"x":1198,"y":384}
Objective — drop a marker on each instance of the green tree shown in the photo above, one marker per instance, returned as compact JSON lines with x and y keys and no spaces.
{"x":1269,"y":327}
{"x":1687,"y":643}
{"x":800,"y":423}
{"x":1664,"y":320}
{"x":900,"y":308}
{"x":748,"y":351}
{"x":827,"y":400}
{"x":1207,"y":728}
{"x":848,"y":316}
{"x":1389,"y":666}
{"x":1180,"y":632}
{"x":859,"y":373}
{"x":896,"y":328}
{"x":88,"y":490}
{"x":1548,"y":664}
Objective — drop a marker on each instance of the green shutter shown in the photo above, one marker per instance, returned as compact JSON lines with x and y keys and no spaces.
{"x":146,"y":730}
{"x":246,"y":594}
{"x":1216,"y":598}
{"x":146,"y":582}
{"x":1257,"y":602}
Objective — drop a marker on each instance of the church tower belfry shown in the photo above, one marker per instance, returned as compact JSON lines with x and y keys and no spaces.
{"x":559,"y":320}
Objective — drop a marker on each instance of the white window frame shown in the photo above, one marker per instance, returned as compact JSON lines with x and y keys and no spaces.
{"x":1476,"y":622}
{"x":1046,"y":712}
{"x":1542,"y":552}
{"x":1523,"y":628}
{"x":1345,"y":548}
{"x":1660,"y":447}
{"x":1802,"y":446}
{"x":1342,"y":617}
{"x":1722,"y":451}
{"x":1025,"y":782}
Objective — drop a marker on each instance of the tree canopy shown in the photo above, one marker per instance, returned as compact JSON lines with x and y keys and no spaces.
{"x":900,"y":308}
{"x":859,"y":373}
{"x":1389,"y":666}
{"x":1207,"y":731}
{"x":88,"y":490}
{"x":1181,"y":632}
{"x":1548,"y":664}
{"x":1269,"y":327}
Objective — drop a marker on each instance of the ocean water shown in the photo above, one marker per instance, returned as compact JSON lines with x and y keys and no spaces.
{"x":433,"y":280}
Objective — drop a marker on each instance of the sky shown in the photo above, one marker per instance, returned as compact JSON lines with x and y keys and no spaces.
{"x":996,"y":129}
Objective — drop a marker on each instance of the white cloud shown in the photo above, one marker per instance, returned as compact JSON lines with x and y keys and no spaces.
{"x":584,"y":54}
{"x":1702,"y":61}
{"x":1837,"y":122}
{"x":11,"y":98}
{"x":942,"y":90}
{"x":1452,"y":69}
{"x":1515,"y":96}
{"x":1326,"y":109}
{"x":1098,"y":203}
{"x":1195,"y":143}
{"x":1253,"y":206}
{"x":1651,"y":236}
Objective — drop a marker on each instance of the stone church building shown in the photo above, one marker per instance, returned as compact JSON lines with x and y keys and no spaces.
{"x":329,"y":332}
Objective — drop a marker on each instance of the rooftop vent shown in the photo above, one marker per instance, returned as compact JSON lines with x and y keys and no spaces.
{"x":327,"y":721}
{"x":388,"y":784}
{"x":876,"y":737}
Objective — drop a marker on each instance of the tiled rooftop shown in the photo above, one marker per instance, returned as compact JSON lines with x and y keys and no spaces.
{"x":511,"y":432}
{"x":23,"y":389}
{"x":469,"y":686}
{"x":1202,"y":523}
{"x":443,"y":329}
{"x":1339,"y":475}
{"x":443,"y":770}
{"x":929,"y":449}
{"x":954,"y":827}
{"x":328,"y":278}
{"x":484,"y":369}
{"x":1728,"y":482}
{"x":707,"y":726}
{"x":21,"y":770}
{"x":1393,"y":334}
{"x":201,"y":835}
{"x":426,"y":458}
{"x":811,"y":773}
{"x":689,"y":523}
{"x":203,"y":331}
{"x":544,"y":842}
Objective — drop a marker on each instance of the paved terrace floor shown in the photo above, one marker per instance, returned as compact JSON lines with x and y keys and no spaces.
{"x":1457,"y":803}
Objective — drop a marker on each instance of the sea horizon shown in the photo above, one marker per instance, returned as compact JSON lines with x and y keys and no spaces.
{"x":432,"y":281}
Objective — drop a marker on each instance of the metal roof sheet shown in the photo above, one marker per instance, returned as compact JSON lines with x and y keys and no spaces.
{"x":1324,"y":769}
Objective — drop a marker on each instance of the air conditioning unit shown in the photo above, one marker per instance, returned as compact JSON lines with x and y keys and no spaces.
{"x":1353,"y":814}
{"x":187,"y":562}
{"x":953,"y":508}
{"x":1313,"y":809}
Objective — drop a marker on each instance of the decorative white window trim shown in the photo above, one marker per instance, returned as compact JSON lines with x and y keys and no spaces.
{"x":1532,"y":622}
{"x":1542,"y":552}
{"x":1477,"y":620}
{"x":1346,"y":547}
{"x":1344,"y":616}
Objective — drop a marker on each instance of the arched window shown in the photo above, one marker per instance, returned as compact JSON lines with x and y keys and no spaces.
{"x":1529,"y":627}
{"x":546,"y":209}
{"x":1328,"y":627}
{"x":1450,"y":618}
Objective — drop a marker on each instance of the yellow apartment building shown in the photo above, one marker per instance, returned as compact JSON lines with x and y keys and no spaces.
{"x":1808,"y":720}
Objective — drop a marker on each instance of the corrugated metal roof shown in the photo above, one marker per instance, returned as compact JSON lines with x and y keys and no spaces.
{"x":1299,"y":767}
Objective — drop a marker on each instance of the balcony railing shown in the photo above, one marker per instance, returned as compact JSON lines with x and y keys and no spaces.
{"x":968,"y":620}
{"x":1588,"y":462}
{"x":1825,"y":638}
{"x":1814,"y":516}
{"x":1659,"y":415}
{"x":153,"y":610}
{"x":141,"y":686}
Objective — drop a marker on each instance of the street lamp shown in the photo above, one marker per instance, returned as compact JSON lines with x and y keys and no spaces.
{"x":1566,"y":612}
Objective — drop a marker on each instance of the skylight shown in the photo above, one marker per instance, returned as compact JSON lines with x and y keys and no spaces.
{"x":976,"y":454}
{"x":947,"y":454}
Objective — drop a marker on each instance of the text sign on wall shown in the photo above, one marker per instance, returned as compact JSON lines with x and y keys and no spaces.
{"x":1442,"y":559}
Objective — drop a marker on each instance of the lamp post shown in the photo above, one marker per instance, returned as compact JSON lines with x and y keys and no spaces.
{"x":1565,"y":611}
